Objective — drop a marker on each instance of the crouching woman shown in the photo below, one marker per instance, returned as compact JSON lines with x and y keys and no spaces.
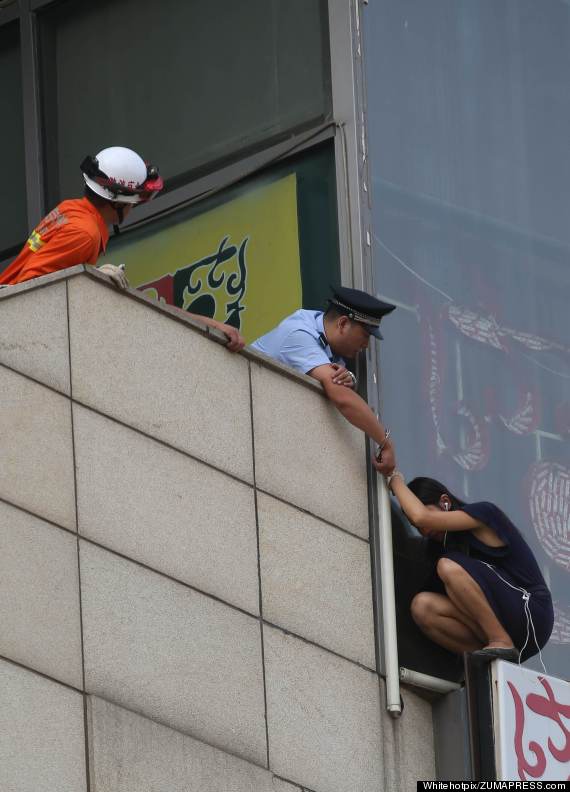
{"x":493,"y":598}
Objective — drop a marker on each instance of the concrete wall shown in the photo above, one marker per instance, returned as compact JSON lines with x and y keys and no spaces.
{"x":185,"y":587}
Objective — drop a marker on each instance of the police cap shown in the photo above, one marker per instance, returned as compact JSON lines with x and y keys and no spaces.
{"x":361,"y":307}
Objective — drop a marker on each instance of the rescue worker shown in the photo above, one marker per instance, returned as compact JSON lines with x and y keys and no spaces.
{"x":317,"y":343}
{"x":76,"y":231}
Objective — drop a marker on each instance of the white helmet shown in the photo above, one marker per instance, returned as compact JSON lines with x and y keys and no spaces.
{"x":121,"y":176}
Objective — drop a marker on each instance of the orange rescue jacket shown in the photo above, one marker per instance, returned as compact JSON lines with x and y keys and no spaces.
{"x":73,"y":233}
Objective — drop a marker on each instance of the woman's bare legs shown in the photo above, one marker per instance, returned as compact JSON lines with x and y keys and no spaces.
{"x":468,"y":598}
{"x":444,"y":623}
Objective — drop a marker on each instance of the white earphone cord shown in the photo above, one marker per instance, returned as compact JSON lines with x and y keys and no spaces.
{"x":529,"y":621}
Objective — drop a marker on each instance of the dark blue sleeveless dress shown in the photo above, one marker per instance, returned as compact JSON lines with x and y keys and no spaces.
{"x":519,"y":573}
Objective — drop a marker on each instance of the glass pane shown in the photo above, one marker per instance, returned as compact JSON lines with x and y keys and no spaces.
{"x":249,"y":256}
{"x":469,"y":150}
{"x":13,"y":220}
{"x":186,"y":84}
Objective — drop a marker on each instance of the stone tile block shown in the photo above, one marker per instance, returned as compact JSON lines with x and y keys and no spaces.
{"x":172,"y":654}
{"x":307,"y":453}
{"x":408,"y":743}
{"x":161,"y":507}
{"x":156,"y":374}
{"x":316,"y":580}
{"x":323,"y":717}
{"x":33,"y":334}
{"x":42,"y":735}
{"x":37,"y":454}
{"x":39,"y":596}
{"x":129,"y":753}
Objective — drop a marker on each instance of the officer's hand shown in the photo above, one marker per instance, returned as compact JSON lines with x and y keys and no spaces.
{"x":236,"y":341}
{"x":117,"y":275}
{"x":343,"y":376}
{"x":387,"y":462}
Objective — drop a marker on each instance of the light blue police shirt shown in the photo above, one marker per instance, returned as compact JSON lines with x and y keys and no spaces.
{"x":299,"y":342}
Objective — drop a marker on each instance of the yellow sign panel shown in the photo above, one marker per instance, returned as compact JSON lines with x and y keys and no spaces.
{"x":238,"y":263}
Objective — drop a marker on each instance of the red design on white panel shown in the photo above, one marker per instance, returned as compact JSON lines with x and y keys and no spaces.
{"x":531,"y":723}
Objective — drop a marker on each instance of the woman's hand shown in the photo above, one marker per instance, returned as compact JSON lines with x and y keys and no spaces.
{"x":343,"y":376}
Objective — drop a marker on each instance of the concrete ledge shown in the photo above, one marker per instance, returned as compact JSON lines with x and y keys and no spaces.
{"x":46,"y":280}
{"x":167,"y":310}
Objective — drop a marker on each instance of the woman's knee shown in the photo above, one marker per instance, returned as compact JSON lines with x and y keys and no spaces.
{"x":448,"y":570}
{"x":421,"y":608}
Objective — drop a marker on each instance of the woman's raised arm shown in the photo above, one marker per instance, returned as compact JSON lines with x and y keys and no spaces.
{"x":429,"y":518}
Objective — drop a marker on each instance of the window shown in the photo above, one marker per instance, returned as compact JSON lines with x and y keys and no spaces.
{"x":187,"y":84}
{"x":470,"y":168}
{"x":13,"y":219}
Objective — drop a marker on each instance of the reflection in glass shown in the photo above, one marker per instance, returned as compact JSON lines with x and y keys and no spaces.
{"x":469,"y":122}
{"x":186,"y":84}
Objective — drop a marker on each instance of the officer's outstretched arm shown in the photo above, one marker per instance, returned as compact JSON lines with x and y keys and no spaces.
{"x":356,"y":411}
{"x":235,"y":340}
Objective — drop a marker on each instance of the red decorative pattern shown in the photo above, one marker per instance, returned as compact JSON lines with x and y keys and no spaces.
{"x":546,"y":707}
{"x":487,"y":330}
{"x":475,"y":455}
{"x":561,"y":629}
{"x":477,"y":327}
{"x":526,"y":418}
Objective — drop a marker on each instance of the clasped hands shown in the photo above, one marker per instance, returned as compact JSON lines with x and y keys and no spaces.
{"x":387,"y":462}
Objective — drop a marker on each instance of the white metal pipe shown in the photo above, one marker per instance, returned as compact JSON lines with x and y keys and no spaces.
{"x":428,"y":682}
{"x":390,"y":638}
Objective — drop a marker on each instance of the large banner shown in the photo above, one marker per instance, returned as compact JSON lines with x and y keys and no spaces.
{"x":238,"y":263}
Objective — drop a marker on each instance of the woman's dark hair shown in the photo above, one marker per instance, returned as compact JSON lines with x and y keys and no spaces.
{"x":429,"y":491}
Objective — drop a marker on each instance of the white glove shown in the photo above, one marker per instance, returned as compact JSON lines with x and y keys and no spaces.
{"x":117,"y":275}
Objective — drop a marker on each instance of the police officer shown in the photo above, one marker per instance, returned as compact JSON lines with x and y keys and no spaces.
{"x":318,"y":344}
